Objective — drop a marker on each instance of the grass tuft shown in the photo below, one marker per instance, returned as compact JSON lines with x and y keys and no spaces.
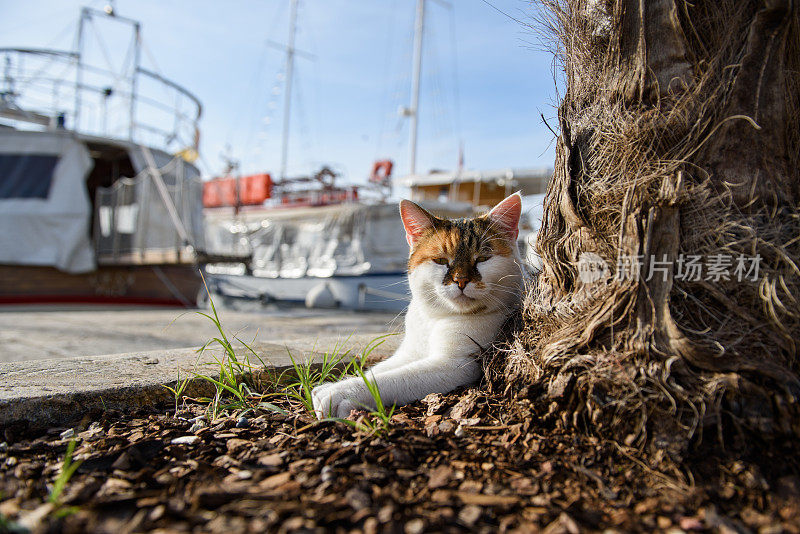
{"x":178,"y":390}
{"x":68,"y":468}
{"x":244,"y":386}
{"x":237,"y":385}
{"x":307,"y":376}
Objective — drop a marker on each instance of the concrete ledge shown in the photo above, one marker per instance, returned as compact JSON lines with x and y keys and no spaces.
{"x":44,"y":393}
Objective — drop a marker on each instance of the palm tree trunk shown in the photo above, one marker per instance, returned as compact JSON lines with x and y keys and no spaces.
{"x":679,"y":147}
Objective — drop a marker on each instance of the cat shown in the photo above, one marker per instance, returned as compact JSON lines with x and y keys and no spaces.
{"x":466,"y":277}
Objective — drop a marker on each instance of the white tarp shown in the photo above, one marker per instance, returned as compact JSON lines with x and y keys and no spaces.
{"x":45,"y":225}
{"x":343,"y":240}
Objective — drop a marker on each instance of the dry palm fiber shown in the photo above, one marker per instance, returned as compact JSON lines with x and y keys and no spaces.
{"x":679,"y":137}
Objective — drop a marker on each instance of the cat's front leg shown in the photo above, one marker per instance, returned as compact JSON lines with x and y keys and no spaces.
{"x":399,"y":385}
{"x":434,"y":374}
{"x":450,"y":360}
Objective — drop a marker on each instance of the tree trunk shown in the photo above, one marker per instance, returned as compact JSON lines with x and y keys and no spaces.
{"x":679,"y":147}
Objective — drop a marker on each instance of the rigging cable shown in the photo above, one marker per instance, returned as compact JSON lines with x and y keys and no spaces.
{"x":442,"y":123}
{"x":456,"y":94}
{"x":302,"y":117}
{"x":43,"y":68}
{"x":255,"y":100}
{"x":403,"y":88}
{"x":102,"y":47}
{"x":504,"y":13}
{"x":314,"y":106}
{"x":385,"y":101}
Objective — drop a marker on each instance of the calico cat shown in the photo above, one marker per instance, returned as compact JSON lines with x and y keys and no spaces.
{"x":466,"y":278}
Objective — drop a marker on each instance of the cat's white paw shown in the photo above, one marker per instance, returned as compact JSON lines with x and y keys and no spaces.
{"x":336,"y":399}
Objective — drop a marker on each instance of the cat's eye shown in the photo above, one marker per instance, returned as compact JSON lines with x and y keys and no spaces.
{"x":441,"y":261}
{"x":480,"y":259}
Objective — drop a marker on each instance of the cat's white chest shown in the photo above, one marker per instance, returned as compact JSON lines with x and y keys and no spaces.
{"x":455,"y":335}
{"x":419,"y":327}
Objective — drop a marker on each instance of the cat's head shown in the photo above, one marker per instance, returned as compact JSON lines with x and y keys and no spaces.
{"x":464,"y":265}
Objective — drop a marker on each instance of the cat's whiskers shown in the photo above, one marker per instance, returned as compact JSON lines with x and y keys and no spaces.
{"x":506,"y":293}
{"x":493,"y":225}
{"x":496,"y":300}
{"x":499,"y":286}
{"x":507,"y":276}
{"x":391,"y":324}
{"x":399,"y":282}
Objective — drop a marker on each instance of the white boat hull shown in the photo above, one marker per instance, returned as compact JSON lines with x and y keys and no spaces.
{"x":368,"y":292}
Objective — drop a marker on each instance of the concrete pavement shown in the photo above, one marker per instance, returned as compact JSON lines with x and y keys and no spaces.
{"x":33,"y":333}
{"x":43,"y":393}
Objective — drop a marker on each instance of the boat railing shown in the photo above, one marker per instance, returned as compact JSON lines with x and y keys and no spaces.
{"x":152,"y":218}
{"x":60,"y":90}
{"x":321,"y":197}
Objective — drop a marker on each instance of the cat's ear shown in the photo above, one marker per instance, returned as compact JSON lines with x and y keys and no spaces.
{"x":415,"y":220}
{"x":505,"y":216}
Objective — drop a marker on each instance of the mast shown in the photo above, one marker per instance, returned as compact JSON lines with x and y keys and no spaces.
{"x":137,"y":59}
{"x":79,"y":69}
{"x":419,"y":27}
{"x":287,"y":97}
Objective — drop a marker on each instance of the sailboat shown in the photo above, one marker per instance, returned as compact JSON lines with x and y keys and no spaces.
{"x":99,"y":199}
{"x":313,"y":241}
{"x":332,"y":246}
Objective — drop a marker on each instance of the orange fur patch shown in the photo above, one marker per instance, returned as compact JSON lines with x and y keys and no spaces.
{"x":444,"y":241}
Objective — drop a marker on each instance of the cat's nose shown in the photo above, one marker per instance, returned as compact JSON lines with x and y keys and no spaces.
{"x":461,"y":281}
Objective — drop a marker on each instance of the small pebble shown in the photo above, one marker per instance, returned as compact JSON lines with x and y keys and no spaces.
{"x":432,"y":430}
{"x":243,"y":422}
{"x":357,"y":499}
{"x":327,"y":474}
{"x":470,"y":514}
{"x":690,"y":523}
{"x":157,"y":512}
{"x":93,"y":433}
{"x":3,"y":447}
{"x":459,"y":431}
{"x":186,"y":440}
{"x":197,"y":427}
{"x":415,"y":526}
{"x":244,"y":474}
{"x":68,"y":433}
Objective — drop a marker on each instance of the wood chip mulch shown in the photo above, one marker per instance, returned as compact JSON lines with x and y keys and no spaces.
{"x":454,"y":463}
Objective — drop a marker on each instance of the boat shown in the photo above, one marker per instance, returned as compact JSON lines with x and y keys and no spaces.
{"x":336,"y":247}
{"x":311,"y":242}
{"x":100,"y":201}
{"x":315,"y":243}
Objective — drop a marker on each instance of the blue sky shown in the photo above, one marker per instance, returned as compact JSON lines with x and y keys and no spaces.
{"x":346,"y":99}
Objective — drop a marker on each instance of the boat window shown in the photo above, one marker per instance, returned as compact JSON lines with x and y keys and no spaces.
{"x":26,"y":175}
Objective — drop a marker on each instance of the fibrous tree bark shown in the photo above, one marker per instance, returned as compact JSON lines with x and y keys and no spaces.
{"x":676,"y":177}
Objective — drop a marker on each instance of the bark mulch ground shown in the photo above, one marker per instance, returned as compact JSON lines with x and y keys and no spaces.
{"x":460,"y":462}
